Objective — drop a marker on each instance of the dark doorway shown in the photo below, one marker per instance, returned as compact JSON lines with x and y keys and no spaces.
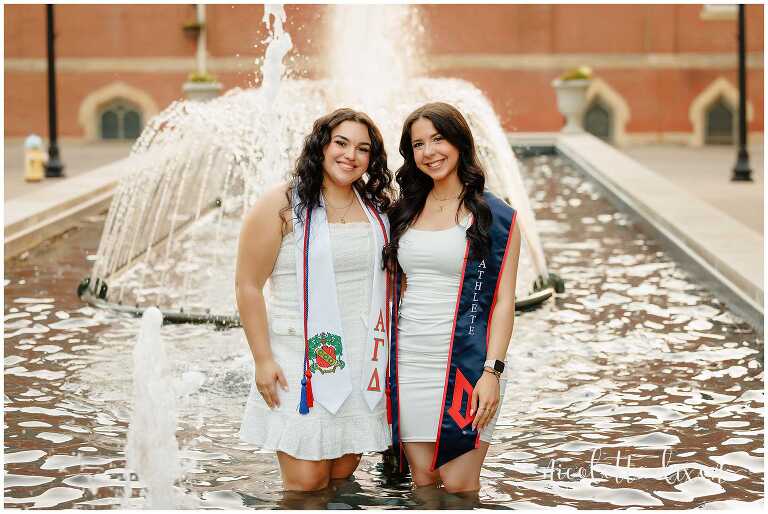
{"x":598,"y":120}
{"x":720,"y":124}
{"x":119,"y":120}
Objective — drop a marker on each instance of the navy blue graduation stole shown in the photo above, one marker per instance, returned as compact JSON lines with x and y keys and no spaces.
{"x":469,"y":340}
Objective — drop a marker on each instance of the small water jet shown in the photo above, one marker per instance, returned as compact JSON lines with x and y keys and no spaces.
{"x":152,"y":450}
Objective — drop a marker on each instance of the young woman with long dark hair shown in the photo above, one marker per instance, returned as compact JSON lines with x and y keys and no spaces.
{"x":320,"y":352}
{"x":454,"y":250}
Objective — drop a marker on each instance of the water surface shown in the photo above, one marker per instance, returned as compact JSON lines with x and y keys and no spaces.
{"x":635,"y":388}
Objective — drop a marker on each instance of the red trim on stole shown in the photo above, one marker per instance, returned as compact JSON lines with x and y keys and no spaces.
{"x":495,"y":297}
{"x":305,"y":292}
{"x":396,"y":307}
{"x":387,"y":388}
{"x":387,"y":275}
{"x":450,"y":350}
{"x":387,"y":294}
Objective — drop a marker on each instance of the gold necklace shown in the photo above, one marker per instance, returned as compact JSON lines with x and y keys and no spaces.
{"x":343,"y":218}
{"x":440,"y":208}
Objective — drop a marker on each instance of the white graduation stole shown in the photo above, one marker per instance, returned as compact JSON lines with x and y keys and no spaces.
{"x":326,"y":365}
{"x":373,"y":380}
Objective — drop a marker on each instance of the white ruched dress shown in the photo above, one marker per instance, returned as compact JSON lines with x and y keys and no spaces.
{"x":319,"y":435}
{"x":432,"y":261}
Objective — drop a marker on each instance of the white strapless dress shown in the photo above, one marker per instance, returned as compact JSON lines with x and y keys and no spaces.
{"x":432,"y":261}
{"x":319,"y":435}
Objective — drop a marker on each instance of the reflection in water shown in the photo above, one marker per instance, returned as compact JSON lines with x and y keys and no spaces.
{"x":635,"y":388}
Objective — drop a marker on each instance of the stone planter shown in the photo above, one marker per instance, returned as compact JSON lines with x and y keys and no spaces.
{"x":571,"y":102}
{"x":201,"y":91}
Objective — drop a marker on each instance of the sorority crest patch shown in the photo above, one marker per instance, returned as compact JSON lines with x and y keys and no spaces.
{"x":325,"y":353}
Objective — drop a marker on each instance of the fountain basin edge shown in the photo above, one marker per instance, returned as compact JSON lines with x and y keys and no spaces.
{"x":41,"y":215}
{"x":531,"y":301}
{"x":724,"y":255}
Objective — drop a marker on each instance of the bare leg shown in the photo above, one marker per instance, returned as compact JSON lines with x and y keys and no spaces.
{"x":429,"y":497}
{"x":313,"y":475}
{"x":303,"y":475}
{"x":344,"y":466}
{"x":467,"y":500}
{"x":462,"y":474}
{"x":420,"y":460}
{"x":306,"y":500}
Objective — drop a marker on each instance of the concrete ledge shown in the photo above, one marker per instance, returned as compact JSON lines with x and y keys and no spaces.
{"x":723,"y":253}
{"x":35,"y":217}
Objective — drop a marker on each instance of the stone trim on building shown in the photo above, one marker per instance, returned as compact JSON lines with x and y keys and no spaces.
{"x":645,"y":61}
{"x":697,"y":112}
{"x":719,"y":12}
{"x":436,"y":62}
{"x":619,"y":107}
{"x":146,"y":64}
{"x":88,"y":114}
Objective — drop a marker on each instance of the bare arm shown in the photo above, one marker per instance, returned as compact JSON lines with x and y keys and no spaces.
{"x":504,"y":313}
{"x":259,"y":245}
{"x":486,"y":392}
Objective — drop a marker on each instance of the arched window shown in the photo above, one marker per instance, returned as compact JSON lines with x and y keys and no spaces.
{"x":119,"y":120}
{"x":720,"y":124}
{"x":598,"y":120}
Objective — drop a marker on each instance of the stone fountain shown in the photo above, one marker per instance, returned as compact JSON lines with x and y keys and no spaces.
{"x":170,"y":237}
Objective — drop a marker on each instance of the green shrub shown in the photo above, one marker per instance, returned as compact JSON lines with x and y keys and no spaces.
{"x":201,"y":77}
{"x":580,"y":73}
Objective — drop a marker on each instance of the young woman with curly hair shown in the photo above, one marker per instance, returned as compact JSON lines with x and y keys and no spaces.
{"x":454,"y":250}
{"x":320,"y":352}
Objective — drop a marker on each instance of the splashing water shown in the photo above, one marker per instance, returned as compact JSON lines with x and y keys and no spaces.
{"x":375,"y":51}
{"x":152,"y":449}
{"x":278,"y":45}
{"x":171,"y":233}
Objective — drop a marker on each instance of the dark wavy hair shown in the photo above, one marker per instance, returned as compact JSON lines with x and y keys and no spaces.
{"x":416,"y":185}
{"x":307,"y":178}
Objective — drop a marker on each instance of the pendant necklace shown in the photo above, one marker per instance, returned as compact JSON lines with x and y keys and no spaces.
{"x":343,"y":218}
{"x":442,"y":206}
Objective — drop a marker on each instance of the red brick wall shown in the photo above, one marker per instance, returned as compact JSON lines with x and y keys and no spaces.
{"x":572,"y":28}
{"x":659,"y":99}
{"x":25,"y":104}
{"x":24,"y":29}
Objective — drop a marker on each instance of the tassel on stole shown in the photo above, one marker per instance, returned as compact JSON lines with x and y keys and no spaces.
{"x":307,"y":399}
{"x":310,"y":396}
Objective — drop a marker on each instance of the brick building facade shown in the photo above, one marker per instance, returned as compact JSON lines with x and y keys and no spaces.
{"x":663,"y":72}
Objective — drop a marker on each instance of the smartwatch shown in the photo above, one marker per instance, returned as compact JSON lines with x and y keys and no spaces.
{"x":496,"y":365}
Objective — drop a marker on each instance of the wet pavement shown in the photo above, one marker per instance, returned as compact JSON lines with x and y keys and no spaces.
{"x":634,"y":388}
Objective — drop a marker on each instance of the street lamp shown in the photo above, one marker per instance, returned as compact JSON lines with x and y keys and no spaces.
{"x":54,"y":167}
{"x":742,"y":171}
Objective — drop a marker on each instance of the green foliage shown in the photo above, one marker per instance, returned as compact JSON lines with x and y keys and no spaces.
{"x":580,"y":73}
{"x":201,"y":77}
{"x":192,"y":27}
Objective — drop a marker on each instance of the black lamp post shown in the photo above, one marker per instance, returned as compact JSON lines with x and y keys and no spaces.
{"x":54,"y":167}
{"x":742,"y":171}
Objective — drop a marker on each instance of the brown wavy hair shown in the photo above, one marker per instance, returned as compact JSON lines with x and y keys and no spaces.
{"x":307,"y":178}
{"x":415,"y":185}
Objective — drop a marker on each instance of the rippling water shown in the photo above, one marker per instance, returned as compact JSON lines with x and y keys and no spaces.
{"x":635,"y":388}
